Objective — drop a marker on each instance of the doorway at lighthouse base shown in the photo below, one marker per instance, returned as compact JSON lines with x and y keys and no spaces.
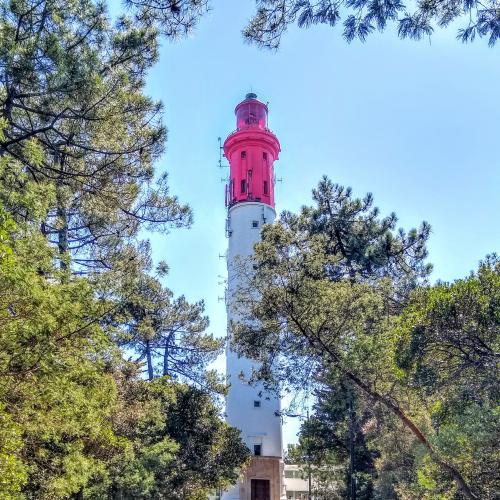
{"x":262,"y":479}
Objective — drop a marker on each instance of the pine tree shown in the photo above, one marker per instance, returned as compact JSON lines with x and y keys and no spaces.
{"x":335,"y":433}
{"x":362,"y":18}
{"x":73,"y":92}
{"x":168,"y":333}
{"x":331,"y":281}
{"x":78,"y":145}
{"x":359,"y":19}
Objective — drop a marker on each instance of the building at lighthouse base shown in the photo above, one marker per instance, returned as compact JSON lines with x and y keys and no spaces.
{"x":261,"y":479}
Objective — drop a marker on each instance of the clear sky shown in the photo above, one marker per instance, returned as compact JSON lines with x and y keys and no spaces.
{"x":415,"y":123}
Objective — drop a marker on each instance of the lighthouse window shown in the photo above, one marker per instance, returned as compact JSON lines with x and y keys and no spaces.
{"x":243,"y":185}
{"x":264,"y":156}
{"x":255,"y":223}
{"x":265,"y":187}
{"x":256,"y":404}
{"x":257,"y":450}
{"x":243,"y":154}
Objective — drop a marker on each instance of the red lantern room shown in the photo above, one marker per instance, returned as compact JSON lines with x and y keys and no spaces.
{"x":251,"y":151}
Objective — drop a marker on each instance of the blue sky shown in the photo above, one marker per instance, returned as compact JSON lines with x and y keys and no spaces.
{"x":415,"y":123}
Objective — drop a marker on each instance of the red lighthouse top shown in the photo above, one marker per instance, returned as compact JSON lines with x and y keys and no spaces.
{"x":251,"y":151}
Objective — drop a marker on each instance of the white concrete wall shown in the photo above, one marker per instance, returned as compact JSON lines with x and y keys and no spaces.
{"x":257,"y":425}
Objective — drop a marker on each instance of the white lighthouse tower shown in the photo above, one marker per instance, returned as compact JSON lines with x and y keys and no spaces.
{"x":251,"y":151}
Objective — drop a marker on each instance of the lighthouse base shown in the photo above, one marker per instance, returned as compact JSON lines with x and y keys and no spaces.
{"x":262,"y":480}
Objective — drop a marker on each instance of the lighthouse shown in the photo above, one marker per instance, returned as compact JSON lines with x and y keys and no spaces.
{"x":251,"y":151}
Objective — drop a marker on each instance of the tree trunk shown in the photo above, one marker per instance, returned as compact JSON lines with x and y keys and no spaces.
{"x":166,"y":354}
{"x":352,"y":465}
{"x":149,"y":360}
{"x":78,"y":495}
{"x":62,"y":232}
{"x":62,"y":236}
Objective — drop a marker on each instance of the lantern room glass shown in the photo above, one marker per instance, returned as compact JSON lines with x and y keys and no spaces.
{"x":251,"y":114}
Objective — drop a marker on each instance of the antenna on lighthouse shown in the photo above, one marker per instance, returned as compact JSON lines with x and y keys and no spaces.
{"x":221,"y":154}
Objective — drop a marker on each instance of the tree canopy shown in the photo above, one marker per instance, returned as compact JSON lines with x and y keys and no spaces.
{"x":75,"y":416}
{"x":76,"y":120}
{"x":359,"y":18}
{"x":335,"y":308}
{"x":82,"y":311}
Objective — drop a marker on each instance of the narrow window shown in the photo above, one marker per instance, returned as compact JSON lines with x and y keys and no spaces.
{"x":255,"y":223}
{"x":264,"y":156}
{"x":256,"y":404}
{"x":243,"y":154}
{"x":257,"y":450}
{"x":243,"y":185}
{"x":265,"y":187}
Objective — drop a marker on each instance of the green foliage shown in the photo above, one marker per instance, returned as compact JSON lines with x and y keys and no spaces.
{"x":174,"y":18}
{"x":13,"y":474}
{"x":74,"y":417}
{"x":362,"y":17}
{"x":78,"y":143}
{"x":359,"y":18}
{"x":56,"y":393}
{"x":342,"y":296}
{"x":334,"y":269}
{"x":75,"y":121}
{"x":180,"y":447}
{"x":448,"y":346}
{"x":167,"y":332}
{"x":335,"y":433}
